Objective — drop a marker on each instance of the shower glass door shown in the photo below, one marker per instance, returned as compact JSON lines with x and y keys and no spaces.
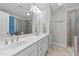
{"x":71,"y":28}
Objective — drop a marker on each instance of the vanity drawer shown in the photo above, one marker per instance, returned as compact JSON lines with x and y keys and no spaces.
{"x":28,"y":51}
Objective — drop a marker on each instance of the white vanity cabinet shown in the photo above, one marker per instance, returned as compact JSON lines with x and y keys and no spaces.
{"x":42,"y":46}
{"x":39,"y":48}
{"x":29,"y":51}
{"x":45,"y":45}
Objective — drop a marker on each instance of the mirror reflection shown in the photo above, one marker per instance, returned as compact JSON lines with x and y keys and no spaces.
{"x":23,"y":26}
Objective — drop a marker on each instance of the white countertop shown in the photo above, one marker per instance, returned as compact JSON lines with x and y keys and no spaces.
{"x":11,"y":49}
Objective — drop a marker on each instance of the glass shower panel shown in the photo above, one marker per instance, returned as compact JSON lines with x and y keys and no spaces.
{"x":77,"y":23}
{"x":77,"y":32}
{"x":18,"y":26}
{"x":71,"y":28}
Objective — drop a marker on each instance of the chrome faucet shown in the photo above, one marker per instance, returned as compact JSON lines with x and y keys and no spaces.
{"x":6,"y":41}
{"x":12,"y":40}
{"x":17,"y":39}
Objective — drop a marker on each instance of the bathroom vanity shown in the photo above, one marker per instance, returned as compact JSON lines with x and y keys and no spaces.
{"x":34,"y":45}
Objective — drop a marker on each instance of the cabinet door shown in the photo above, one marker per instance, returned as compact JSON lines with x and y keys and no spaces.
{"x":40,"y":48}
{"x":45,"y":45}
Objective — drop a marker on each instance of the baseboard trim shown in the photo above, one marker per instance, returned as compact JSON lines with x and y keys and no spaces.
{"x":59,"y":44}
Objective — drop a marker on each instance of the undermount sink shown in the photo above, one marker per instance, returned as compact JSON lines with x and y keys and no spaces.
{"x":13,"y":46}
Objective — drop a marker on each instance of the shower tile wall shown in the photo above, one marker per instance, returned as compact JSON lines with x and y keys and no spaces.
{"x":24,"y":26}
{"x":18,"y":26}
{"x":27,"y":26}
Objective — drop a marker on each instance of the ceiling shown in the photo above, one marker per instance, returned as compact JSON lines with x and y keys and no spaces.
{"x":13,"y":9}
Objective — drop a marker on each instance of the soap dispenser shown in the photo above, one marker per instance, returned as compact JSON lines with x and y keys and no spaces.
{"x":13,"y":38}
{"x":6,"y":41}
{"x":44,"y":28}
{"x":17,"y":39}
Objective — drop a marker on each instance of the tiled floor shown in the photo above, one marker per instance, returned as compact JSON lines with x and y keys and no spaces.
{"x":56,"y":50}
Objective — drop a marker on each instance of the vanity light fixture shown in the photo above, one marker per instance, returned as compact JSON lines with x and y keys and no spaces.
{"x":35,"y":9}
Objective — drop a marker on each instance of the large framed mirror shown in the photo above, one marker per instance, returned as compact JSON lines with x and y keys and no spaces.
{"x":23,"y":26}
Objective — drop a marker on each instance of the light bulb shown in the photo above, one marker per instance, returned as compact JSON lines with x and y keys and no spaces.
{"x":31,"y":9}
{"x":35,"y":7}
{"x":28,"y":13}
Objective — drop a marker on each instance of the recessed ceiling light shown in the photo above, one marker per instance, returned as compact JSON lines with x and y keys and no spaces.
{"x":28,"y":14}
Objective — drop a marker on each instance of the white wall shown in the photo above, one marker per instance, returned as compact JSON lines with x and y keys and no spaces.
{"x":4,"y":22}
{"x":42,"y":18}
{"x":60,"y":27}
{"x":35,"y":22}
{"x":59,"y":24}
{"x":51,"y":24}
